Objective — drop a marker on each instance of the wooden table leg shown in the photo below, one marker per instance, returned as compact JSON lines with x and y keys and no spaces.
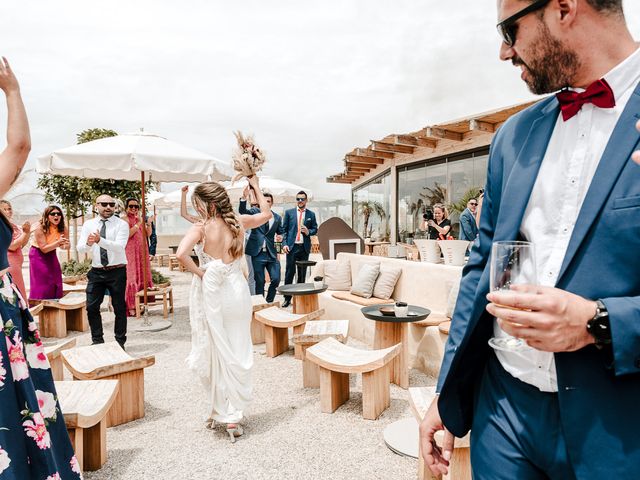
{"x":305,"y":303}
{"x":388,"y":334}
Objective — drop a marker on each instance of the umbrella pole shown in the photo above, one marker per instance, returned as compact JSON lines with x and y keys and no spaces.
{"x":145,"y":319}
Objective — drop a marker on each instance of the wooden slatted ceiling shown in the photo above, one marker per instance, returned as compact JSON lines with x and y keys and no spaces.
{"x":362,"y":160}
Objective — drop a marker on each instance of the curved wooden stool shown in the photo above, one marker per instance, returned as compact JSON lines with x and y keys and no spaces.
{"x":85,"y":406}
{"x":420,"y":399}
{"x":258,"y":303}
{"x":315,"y":332}
{"x":67,"y":313}
{"x":337,"y":361}
{"x":109,"y":361}
{"x":444,"y":327}
{"x":54,"y":355}
{"x":276,"y":328}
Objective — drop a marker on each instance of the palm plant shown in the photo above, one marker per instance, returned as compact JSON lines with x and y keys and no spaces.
{"x":368,"y":208}
{"x":461,"y":204}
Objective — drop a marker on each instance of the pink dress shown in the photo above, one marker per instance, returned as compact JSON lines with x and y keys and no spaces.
{"x":16,"y":258}
{"x":134,"y":265}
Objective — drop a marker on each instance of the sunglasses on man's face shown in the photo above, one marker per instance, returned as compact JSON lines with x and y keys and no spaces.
{"x":107,"y":204}
{"x":473,"y":203}
{"x":300,"y":199}
{"x":508,"y":28}
{"x":55,"y":214}
{"x":135,"y":207}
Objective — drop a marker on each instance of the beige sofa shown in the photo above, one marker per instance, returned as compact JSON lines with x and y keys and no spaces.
{"x":424,"y":284}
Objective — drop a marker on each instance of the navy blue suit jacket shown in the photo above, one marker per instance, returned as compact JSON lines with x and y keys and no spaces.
{"x":290,"y":225}
{"x":599,"y":400}
{"x":261,"y":234}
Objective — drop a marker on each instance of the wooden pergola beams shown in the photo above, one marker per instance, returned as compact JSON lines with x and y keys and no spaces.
{"x":451,"y":137}
{"x":391,"y":147}
{"x":440,"y":132}
{"x":368,"y":152}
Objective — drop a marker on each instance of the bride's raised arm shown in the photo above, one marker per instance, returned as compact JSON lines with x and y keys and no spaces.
{"x":253,"y":221}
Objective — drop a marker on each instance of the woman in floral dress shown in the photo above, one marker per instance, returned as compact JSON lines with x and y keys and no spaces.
{"x":34,"y":443}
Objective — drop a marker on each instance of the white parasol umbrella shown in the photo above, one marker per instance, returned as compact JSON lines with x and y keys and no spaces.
{"x":130,"y":157}
{"x":282,"y":191}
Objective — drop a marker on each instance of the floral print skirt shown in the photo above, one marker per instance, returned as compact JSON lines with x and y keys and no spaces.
{"x":34,"y":443}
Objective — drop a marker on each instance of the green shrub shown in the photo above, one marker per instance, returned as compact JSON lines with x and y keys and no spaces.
{"x":73,"y":268}
{"x":157,"y":277}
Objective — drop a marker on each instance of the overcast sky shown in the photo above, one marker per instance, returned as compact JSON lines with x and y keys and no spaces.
{"x":311,"y":80}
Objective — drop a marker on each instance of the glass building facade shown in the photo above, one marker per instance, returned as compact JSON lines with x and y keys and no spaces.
{"x":371,"y":205}
{"x":420,"y":185}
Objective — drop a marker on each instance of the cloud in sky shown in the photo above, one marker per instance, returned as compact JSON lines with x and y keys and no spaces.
{"x":311,"y":80}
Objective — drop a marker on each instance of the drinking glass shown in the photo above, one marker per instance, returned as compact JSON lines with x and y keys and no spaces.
{"x":512,"y":263}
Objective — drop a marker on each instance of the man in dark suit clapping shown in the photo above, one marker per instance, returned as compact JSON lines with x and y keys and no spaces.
{"x":261,"y":248}
{"x":299,"y":225}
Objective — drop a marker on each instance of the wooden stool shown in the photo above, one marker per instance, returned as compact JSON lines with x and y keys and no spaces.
{"x":36,"y":309}
{"x":85,"y":406}
{"x":161,"y":260}
{"x":276,"y":328}
{"x":54,"y":355}
{"x":337,"y":361}
{"x":420,"y":399}
{"x":67,"y":313}
{"x":315,"y":332}
{"x":109,"y":361}
{"x":257,"y":329}
{"x":444,"y":327}
{"x":166,"y":293}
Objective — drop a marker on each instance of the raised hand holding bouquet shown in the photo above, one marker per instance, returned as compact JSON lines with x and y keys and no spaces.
{"x":248,"y":159}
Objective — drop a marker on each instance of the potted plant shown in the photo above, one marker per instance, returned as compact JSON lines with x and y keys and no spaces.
{"x":159,"y":280}
{"x":318,"y":282}
{"x":74,"y":271}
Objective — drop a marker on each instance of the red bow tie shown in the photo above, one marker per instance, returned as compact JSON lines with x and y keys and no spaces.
{"x":599,"y":93}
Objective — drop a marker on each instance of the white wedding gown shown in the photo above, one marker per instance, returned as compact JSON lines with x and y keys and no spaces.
{"x":221,"y":350}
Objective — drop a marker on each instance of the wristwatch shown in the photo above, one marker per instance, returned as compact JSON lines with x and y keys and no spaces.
{"x":599,"y":327}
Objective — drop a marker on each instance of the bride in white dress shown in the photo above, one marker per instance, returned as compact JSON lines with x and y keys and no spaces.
{"x":220,"y":303}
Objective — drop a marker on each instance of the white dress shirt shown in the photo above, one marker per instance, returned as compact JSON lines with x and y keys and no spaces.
{"x":569,"y":164}
{"x":271,"y":221}
{"x":115,"y":241}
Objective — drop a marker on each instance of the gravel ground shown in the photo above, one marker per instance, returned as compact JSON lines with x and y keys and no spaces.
{"x":286,"y":435}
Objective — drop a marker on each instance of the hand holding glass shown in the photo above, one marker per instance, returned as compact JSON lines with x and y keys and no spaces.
{"x":512,"y":263}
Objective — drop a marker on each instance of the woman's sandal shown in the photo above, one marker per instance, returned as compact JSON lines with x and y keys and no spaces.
{"x":234,"y":430}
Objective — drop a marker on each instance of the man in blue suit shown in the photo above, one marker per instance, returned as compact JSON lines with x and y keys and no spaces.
{"x":299,"y":226}
{"x":262,"y":250}
{"x":560,"y":176}
{"x":468,"y":226}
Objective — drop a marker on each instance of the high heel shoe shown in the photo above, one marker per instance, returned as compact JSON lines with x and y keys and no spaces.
{"x":234,"y":430}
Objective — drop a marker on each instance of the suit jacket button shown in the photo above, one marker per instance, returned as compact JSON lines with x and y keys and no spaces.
{"x":637,"y":362}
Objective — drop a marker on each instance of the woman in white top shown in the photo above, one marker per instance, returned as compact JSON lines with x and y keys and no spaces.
{"x":220,"y":303}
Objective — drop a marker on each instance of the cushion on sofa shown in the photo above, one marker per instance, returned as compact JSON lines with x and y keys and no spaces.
{"x":452,"y":298}
{"x":365,"y":302}
{"x":386,"y":282}
{"x":366,"y":279}
{"x":337,"y":275}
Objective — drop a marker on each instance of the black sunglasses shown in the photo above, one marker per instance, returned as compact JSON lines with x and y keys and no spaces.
{"x":55,"y":214}
{"x":473,"y":203}
{"x":300,"y":199}
{"x":508,"y":28}
{"x":137,"y":207}
{"x":107,"y":204}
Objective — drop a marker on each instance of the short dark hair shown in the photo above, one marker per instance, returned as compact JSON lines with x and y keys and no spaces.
{"x":612,"y":7}
{"x":267,"y":194}
{"x":302,"y":192}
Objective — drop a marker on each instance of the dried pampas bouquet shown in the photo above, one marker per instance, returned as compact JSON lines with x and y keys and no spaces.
{"x":248,"y":159}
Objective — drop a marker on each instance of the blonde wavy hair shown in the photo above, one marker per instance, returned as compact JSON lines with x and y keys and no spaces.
{"x":445,"y":211}
{"x":210,"y":199}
